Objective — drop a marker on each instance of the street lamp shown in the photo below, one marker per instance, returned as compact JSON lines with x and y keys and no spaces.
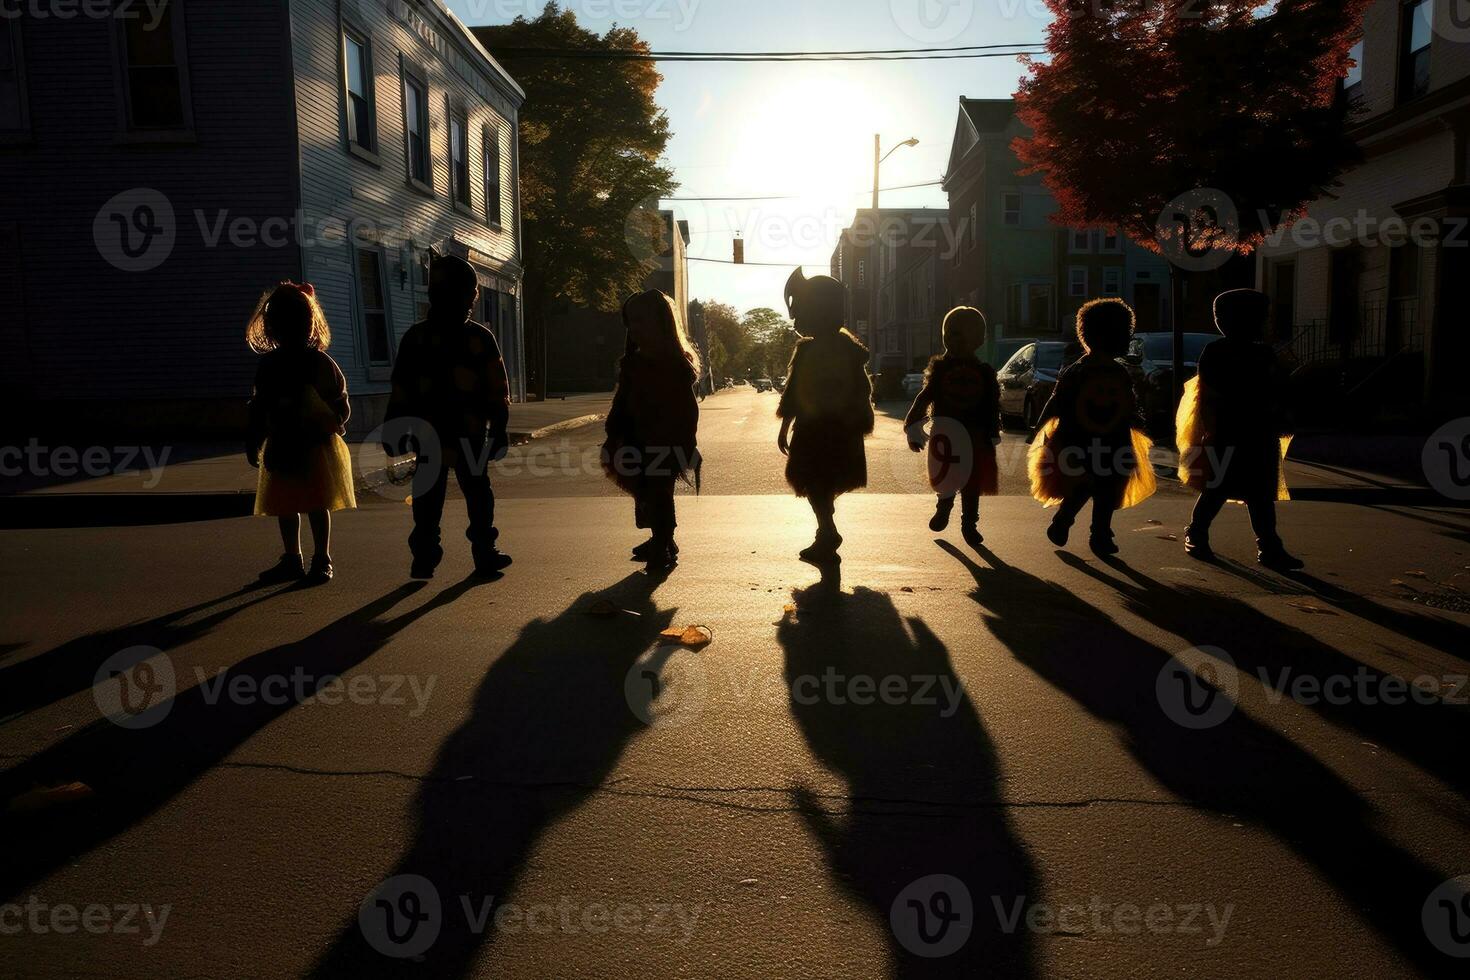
{"x":874,"y":282}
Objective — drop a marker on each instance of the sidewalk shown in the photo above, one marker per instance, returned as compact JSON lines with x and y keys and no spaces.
{"x":213,"y":469}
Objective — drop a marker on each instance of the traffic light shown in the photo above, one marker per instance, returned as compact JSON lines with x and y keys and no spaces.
{"x":739,"y":249}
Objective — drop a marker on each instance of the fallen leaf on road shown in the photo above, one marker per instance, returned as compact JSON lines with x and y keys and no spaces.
{"x":1156,"y":523}
{"x":46,"y":797}
{"x":693,"y":637}
{"x":1307,"y":607}
{"x":788,"y":614}
{"x":747,"y":882}
{"x":1416,"y":574}
{"x":1168,"y":537}
{"x":907,"y":588}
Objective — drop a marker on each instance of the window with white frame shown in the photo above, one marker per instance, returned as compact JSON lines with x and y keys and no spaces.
{"x":862,"y":273}
{"x":1352,"y":82}
{"x":1110,"y":241}
{"x":372,"y":299}
{"x":491,"y":153}
{"x":1081,"y":241}
{"x":14,"y":117}
{"x":1112,"y":284}
{"x":154,"y":75}
{"x":357,"y":90}
{"x":1011,"y":208}
{"x":416,"y":130}
{"x":1416,"y":36}
{"x":459,"y":157}
{"x":1077,"y":281}
{"x":974,"y":226}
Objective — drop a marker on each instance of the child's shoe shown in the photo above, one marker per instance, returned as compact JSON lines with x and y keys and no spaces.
{"x":648,"y":548}
{"x":970,"y":531}
{"x":321,"y":571}
{"x":1197,"y":544}
{"x":663,"y":556}
{"x":1278,"y":559}
{"x":289,"y":569}
{"x":422,"y":569}
{"x":1102,"y":544}
{"x":942,"y":510}
{"x":490,"y":560}
{"x":824,"y":549}
{"x":1058,"y":532}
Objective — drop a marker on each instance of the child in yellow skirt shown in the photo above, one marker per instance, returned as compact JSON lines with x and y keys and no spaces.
{"x":962,"y":396}
{"x":298,"y":415}
{"x":1231,"y":427}
{"x":1091,"y":444}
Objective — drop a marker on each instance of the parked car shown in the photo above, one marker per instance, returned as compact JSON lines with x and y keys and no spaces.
{"x":912,"y":383}
{"x":1027,"y":380}
{"x":1151,"y":363}
{"x":780,"y":383}
{"x":764,"y":384}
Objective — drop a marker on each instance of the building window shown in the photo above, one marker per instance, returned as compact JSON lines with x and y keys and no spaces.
{"x":1110,"y":241}
{"x":1415,"y":36}
{"x":357,"y":90}
{"x":491,"y":144}
{"x":459,"y":158}
{"x":862,"y":278}
{"x":372,"y":299}
{"x":1081,"y":241}
{"x":1011,"y":207}
{"x":1352,"y":82}
{"x":13,"y":114}
{"x":1113,"y":281}
{"x":416,"y":130}
{"x":1077,"y":281}
{"x":974,"y":226}
{"x":156,"y":95}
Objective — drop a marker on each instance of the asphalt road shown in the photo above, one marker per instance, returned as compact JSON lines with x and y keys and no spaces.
{"x":778,"y":803}
{"x":737,"y":435}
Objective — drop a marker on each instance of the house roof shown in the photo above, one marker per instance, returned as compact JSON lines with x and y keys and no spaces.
{"x":977,"y":118}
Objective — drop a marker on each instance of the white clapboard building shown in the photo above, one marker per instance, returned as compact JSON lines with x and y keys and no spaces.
{"x":165,"y":163}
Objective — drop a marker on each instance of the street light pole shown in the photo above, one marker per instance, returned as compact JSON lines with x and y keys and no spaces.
{"x":878,"y":157}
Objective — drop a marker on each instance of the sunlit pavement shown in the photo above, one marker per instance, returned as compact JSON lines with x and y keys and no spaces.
{"x":775,"y":804}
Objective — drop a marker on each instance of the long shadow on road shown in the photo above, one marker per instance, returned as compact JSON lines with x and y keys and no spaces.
{"x":549,"y":723}
{"x":133,"y":772}
{"x":922,"y":786}
{"x":1235,"y":768}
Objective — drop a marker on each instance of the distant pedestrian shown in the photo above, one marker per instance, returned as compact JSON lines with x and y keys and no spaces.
{"x":452,"y":396}
{"x":1231,"y":427}
{"x":826,"y":409}
{"x":653,"y":425}
{"x":297,"y":416}
{"x":962,"y":397}
{"x":1089,"y":444}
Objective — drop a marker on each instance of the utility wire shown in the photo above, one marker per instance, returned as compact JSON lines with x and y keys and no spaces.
{"x":798,"y":197}
{"x":769,"y":265}
{"x":891,"y":54}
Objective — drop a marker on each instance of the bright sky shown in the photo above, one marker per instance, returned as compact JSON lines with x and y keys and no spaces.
{"x":803,"y":129}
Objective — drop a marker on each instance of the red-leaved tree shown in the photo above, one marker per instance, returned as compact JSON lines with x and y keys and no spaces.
{"x":1194,"y":127}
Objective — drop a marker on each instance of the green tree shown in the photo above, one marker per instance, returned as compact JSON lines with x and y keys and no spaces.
{"x":591,"y":137}
{"x":723,"y":328}
{"x":771,"y":337}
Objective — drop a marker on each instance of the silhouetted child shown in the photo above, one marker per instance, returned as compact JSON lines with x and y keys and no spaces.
{"x":1230,"y":427}
{"x":1091,"y":444}
{"x":449,"y":383}
{"x":962,"y":396}
{"x":652,"y":428}
{"x":297,"y":417}
{"x":826,"y":409}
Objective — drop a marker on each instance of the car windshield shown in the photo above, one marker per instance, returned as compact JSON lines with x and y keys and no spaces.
{"x":1049,"y":356}
{"x":1160,"y":346}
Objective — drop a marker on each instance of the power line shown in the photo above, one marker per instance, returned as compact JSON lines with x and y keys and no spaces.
{"x":890,"y":54}
{"x":769,"y":265}
{"x":798,"y":197}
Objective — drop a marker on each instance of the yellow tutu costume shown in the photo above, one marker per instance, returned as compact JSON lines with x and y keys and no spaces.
{"x":323,"y":479}
{"x":1051,"y":485}
{"x":1196,"y":425}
